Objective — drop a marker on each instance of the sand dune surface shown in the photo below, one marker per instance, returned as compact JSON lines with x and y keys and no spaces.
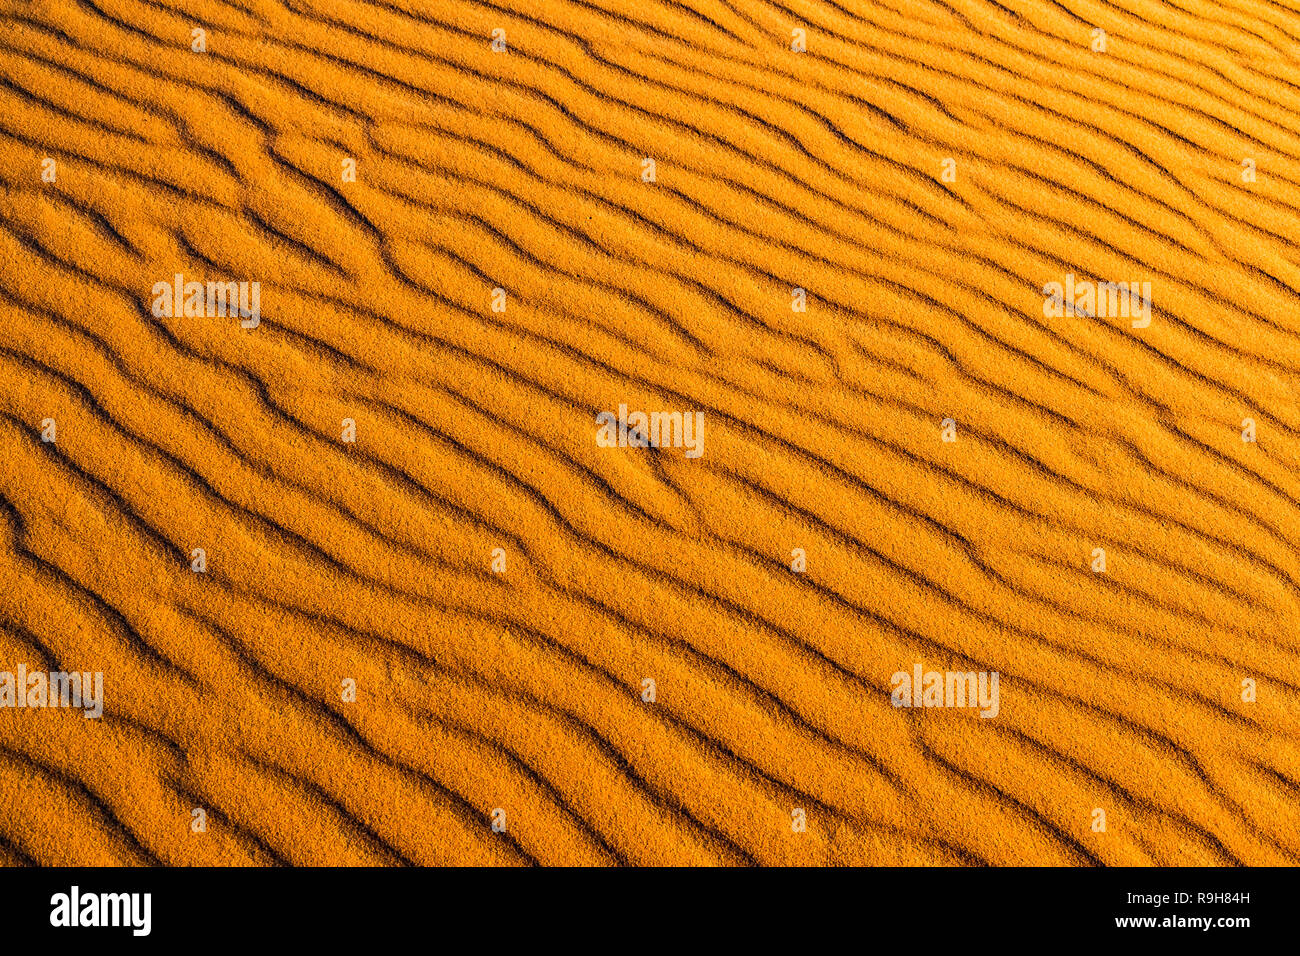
{"x":620,"y":432}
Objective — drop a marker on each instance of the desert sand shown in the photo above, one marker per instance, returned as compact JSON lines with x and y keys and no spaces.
{"x":362,"y":584}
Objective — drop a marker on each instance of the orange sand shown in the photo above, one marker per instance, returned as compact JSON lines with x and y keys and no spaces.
{"x":521,"y":690}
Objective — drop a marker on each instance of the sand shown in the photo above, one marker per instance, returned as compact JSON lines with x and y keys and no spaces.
{"x":365,"y":588}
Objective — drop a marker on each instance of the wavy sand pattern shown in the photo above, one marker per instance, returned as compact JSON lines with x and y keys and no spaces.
{"x":521,"y":689}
